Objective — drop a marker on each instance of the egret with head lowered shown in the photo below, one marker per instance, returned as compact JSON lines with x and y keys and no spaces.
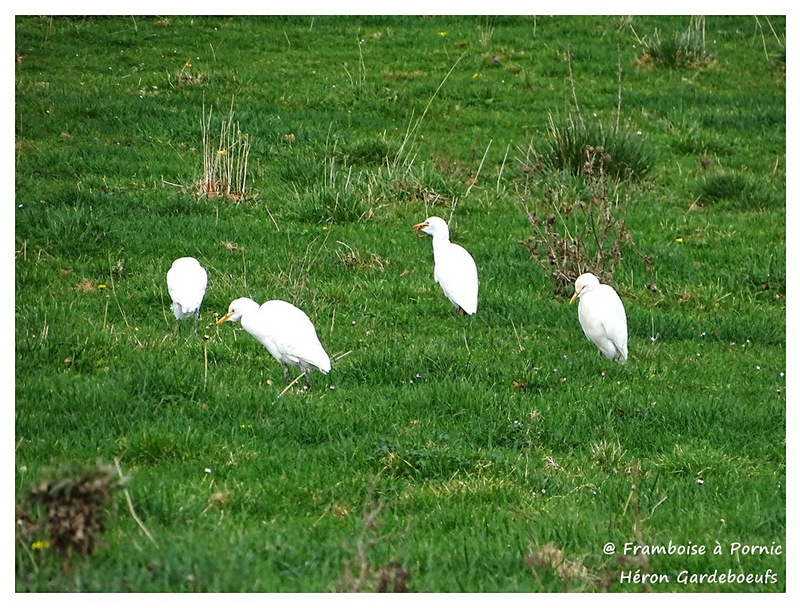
{"x":602,"y":316}
{"x":453,"y":266}
{"x":285,"y":331}
{"x":187,"y":281}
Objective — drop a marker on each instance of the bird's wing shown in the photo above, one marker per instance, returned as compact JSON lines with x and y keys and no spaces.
{"x":615,"y":322}
{"x":288,"y":334}
{"x":187,"y":287}
{"x":455,"y":271}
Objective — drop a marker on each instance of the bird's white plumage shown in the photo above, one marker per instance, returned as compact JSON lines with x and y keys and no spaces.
{"x":284,"y":330}
{"x":186,"y":281}
{"x":602,"y":316}
{"x":453,"y":267}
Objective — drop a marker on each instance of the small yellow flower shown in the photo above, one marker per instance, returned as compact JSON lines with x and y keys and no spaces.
{"x":222,"y":152}
{"x":443,"y":33}
{"x":40,"y":544}
{"x":679,"y":239}
{"x":244,"y":426}
{"x":102,"y":287}
{"x":475,"y":75}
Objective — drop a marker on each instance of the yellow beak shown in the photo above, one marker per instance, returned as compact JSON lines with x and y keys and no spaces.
{"x":572,"y":299}
{"x":224,"y":318}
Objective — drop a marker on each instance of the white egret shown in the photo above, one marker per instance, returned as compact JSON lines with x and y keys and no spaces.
{"x":286,"y":332}
{"x":187,"y":281}
{"x":602,"y":316}
{"x":453,"y":266}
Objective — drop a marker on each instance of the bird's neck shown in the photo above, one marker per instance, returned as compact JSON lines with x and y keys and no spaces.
{"x":249,"y":306}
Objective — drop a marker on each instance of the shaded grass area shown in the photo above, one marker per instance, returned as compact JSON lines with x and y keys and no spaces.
{"x":488,"y":443}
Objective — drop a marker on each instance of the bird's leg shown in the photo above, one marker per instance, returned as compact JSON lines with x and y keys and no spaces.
{"x":460,"y":312}
{"x":285,"y":375}
{"x":196,"y":321}
{"x":307,"y":374}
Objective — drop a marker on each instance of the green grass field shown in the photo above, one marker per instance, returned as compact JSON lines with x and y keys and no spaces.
{"x":494,"y":453}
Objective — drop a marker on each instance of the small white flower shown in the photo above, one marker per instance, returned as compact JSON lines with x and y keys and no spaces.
{"x":208,"y":470}
{"x":758,"y":367}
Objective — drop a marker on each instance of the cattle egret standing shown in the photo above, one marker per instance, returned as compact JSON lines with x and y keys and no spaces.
{"x":187,"y":281}
{"x":453,"y":266}
{"x":602,"y":316}
{"x":286,"y":332}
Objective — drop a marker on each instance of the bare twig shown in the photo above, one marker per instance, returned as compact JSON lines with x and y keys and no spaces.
{"x":502,"y":166}
{"x":572,"y":84}
{"x":474,"y":180}
{"x":412,"y":131}
{"x":130,"y":506}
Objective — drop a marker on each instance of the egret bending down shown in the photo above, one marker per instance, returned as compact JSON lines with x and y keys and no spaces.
{"x":602,"y":316}
{"x":286,"y":332}
{"x":187,"y":281}
{"x":453,"y":266}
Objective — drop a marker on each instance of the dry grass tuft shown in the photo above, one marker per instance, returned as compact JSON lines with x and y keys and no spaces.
{"x":73,"y":506}
{"x":360,"y":574}
{"x":352,"y":258}
{"x":552,"y":558}
{"x":589,"y":234}
{"x":224,"y":164}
